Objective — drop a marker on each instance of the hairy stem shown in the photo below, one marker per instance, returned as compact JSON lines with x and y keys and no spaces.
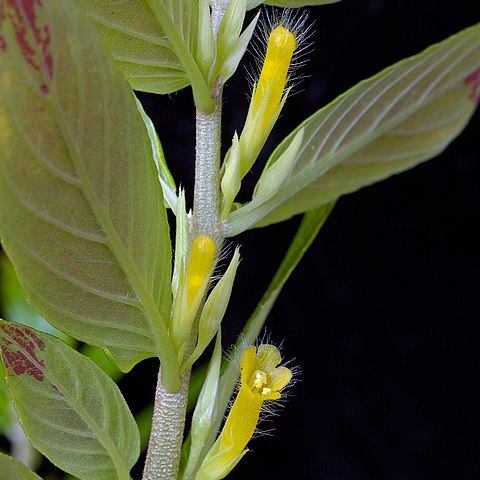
{"x":168,"y":421}
{"x":166,"y":436}
{"x":206,"y":203}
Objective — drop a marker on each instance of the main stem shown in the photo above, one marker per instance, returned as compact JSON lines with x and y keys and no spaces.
{"x":207,"y":166}
{"x":206,"y":200}
{"x":168,"y":421}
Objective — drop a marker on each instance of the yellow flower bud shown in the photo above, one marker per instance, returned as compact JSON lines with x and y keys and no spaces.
{"x":274,"y":75}
{"x":200,"y":265}
{"x":268,"y":97}
{"x":192,"y":284}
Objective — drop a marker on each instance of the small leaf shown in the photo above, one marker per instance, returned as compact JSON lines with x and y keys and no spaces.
{"x":205,"y":411}
{"x":92,"y":248}
{"x":12,"y":469}
{"x":181,"y":243}
{"x":404,"y":115}
{"x":205,"y":54}
{"x":179,"y":20}
{"x":70,"y":409}
{"x":166,"y":180}
{"x":231,"y":43}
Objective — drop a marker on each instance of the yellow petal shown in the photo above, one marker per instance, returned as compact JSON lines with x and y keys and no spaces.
{"x":268,"y":357}
{"x":247,"y":364}
{"x":279,"y":378}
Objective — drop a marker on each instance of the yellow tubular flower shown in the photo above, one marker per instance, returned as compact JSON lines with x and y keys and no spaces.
{"x":269,"y":95}
{"x":200,"y":265}
{"x":274,"y":75}
{"x":261,"y":380}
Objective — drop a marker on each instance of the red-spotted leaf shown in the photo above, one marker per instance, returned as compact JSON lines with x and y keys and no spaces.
{"x":81,"y":208}
{"x":12,"y":469}
{"x":404,"y":115}
{"x":70,"y":409}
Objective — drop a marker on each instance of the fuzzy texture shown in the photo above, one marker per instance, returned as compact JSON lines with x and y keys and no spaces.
{"x":261,"y":380}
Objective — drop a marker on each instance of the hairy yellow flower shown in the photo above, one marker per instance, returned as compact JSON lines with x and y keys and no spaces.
{"x":274,"y":75}
{"x":261,"y":380}
{"x":283,"y":38}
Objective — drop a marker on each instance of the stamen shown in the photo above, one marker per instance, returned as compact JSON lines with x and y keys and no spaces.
{"x":260,"y":379}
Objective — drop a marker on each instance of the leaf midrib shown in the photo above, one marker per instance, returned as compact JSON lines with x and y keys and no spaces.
{"x":152,"y":313}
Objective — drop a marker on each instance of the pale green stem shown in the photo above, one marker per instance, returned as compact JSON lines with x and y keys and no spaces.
{"x":166,"y":436}
{"x":206,"y":202}
{"x":168,"y":422}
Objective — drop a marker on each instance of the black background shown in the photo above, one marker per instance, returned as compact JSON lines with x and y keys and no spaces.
{"x":381,"y":315}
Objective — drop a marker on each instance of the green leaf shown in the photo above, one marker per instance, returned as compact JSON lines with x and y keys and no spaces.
{"x":15,"y":306}
{"x":81,"y":209}
{"x":70,"y":409}
{"x":138,"y":44}
{"x":153,"y":42}
{"x":179,"y":20}
{"x":404,"y":115}
{"x":12,"y":469}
